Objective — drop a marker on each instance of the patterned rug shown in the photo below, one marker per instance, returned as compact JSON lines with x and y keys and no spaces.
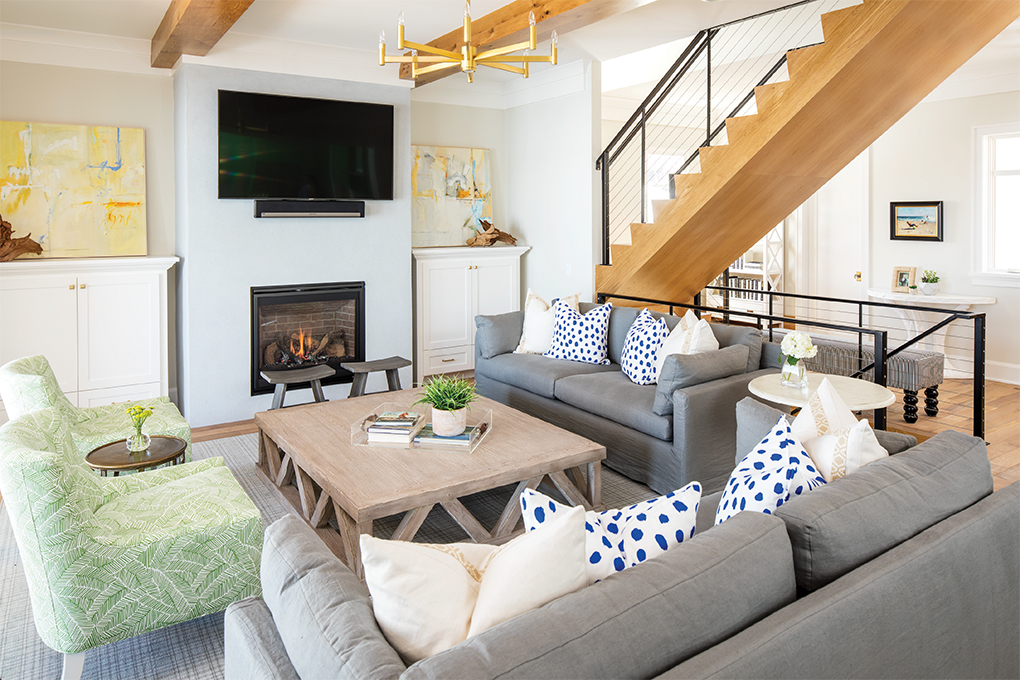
{"x":194,"y":650}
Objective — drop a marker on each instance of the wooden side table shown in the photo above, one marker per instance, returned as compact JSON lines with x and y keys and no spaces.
{"x":114,"y":457}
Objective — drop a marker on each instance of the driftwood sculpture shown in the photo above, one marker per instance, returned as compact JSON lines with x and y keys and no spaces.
{"x":11,"y":247}
{"x":490,"y":235}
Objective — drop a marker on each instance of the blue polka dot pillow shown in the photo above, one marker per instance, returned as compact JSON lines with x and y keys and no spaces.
{"x":776,"y":470}
{"x":640,"y":349}
{"x":580,"y":338}
{"x":617,"y":539}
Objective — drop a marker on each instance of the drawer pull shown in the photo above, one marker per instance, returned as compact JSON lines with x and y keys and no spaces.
{"x":446,"y":361}
{"x":71,"y":287}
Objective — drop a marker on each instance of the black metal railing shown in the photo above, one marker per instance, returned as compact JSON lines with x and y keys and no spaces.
{"x":720,"y":67}
{"x":965,"y":334}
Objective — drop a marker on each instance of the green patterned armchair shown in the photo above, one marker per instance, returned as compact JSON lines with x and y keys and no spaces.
{"x":28,"y":385}
{"x":108,"y":558}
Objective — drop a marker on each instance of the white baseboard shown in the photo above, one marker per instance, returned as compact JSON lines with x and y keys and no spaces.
{"x":1000,"y":371}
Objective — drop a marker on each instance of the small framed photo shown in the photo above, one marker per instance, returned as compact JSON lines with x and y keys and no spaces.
{"x":903,"y":278}
{"x":915,"y":221}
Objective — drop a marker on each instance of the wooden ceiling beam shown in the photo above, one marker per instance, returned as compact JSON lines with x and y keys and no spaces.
{"x":193,"y":27}
{"x":509,"y":25}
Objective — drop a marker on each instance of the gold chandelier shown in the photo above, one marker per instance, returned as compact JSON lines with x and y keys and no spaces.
{"x":469,"y":57}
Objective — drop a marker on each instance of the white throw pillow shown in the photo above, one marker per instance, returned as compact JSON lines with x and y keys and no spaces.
{"x":539,"y":323}
{"x":618,"y":539}
{"x":777,"y":469}
{"x":428,"y":598}
{"x":691,"y":336}
{"x":836,"y":441}
{"x":640,"y":348}
{"x":581,"y":338}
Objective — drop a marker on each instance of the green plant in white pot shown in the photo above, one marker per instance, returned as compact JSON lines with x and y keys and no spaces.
{"x":449,"y":399}
{"x":930,"y":282}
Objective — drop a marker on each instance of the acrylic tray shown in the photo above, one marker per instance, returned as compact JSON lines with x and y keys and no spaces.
{"x":475,"y":417}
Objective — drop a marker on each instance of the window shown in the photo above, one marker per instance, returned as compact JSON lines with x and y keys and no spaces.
{"x":997,"y":205}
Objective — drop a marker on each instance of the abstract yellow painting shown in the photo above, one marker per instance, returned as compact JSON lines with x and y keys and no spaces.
{"x":450,"y":194}
{"x":79,"y":190}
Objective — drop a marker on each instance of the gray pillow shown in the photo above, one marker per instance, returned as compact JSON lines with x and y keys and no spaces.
{"x":728,"y":336}
{"x":684,"y":370}
{"x":322,"y":611}
{"x":840,"y":526}
{"x":498,"y":334}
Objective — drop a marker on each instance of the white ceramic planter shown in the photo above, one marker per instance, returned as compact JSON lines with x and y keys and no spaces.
{"x":929,"y":288}
{"x":449,"y":423}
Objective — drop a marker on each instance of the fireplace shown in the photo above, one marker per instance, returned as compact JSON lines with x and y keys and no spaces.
{"x":306,"y":325}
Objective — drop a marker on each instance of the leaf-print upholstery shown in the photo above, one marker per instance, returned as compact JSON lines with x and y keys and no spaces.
{"x":28,"y":385}
{"x":110,"y":558}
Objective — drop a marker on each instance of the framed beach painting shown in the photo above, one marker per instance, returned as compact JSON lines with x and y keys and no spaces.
{"x":915,"y":221}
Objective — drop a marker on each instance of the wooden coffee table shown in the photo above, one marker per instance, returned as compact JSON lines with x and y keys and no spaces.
{"x":306,"y":455}
{"x":114,"y":457}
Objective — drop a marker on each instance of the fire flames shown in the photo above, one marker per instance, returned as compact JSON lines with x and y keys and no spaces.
{"x":300,"y":351}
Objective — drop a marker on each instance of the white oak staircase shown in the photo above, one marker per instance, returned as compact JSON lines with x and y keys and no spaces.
{"x":879,"y":59}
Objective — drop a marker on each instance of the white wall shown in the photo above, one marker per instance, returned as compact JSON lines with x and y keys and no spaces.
{"x":225,"y":250}
{"x":554,"y":200}
{"x":467,"y":126}
{"x":58,"y":94}
{"x":927,"y":156}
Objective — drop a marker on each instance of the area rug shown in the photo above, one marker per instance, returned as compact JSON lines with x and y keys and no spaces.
{"x":194,"y":650}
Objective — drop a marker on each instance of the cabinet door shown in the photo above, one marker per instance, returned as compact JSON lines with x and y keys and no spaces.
{"x":38,"y":316}
{"x":118,"y":330}
{"x":498,"y":288}
{"x":447,"y":318}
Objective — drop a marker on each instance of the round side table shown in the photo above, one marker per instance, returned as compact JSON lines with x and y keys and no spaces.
{"x":114,"y":457}
{"x":859,"y":395}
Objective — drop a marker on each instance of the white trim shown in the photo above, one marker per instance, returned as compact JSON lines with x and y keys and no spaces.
{"x":91,"y":265}
{"x":1000,"y":371}
{"x":980,"y":274}
{"x":76,"y":49}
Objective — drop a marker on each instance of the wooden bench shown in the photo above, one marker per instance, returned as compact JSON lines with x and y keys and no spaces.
{"x":361,"y":369}
{"x":312,"y":374}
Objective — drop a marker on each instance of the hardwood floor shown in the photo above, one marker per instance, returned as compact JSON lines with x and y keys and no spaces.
{"x":1002,"y":423}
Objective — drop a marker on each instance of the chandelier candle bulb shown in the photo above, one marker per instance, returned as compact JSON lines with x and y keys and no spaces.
{"x":382,"y":48}
{"x":532,"y":33}
{"x":400,"y":31}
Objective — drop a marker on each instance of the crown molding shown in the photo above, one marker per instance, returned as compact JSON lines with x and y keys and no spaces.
{"x":75,"y":49}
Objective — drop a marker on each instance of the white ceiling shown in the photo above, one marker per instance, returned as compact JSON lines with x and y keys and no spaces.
{"x":282,"y":30}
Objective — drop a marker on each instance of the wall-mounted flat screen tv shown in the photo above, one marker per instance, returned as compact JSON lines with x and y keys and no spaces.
{"x":272,"y":146}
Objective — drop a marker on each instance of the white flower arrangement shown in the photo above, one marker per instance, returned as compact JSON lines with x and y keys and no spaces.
{"x":796,"y":346}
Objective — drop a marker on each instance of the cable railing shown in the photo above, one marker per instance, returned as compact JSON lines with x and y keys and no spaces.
{"x":712,"y":80}
{"x":907,"y":348}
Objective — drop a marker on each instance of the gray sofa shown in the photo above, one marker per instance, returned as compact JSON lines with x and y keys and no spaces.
{"x":909,"y":567}
{"x":694,"y":441}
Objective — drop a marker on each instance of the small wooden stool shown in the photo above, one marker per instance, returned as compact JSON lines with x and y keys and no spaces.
{"x":361,"y":369}
{"x":281,"y":379}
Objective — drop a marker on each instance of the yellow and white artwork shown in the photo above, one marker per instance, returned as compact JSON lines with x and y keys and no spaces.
{"x":450,"y":194}
{"x":79,"y":190}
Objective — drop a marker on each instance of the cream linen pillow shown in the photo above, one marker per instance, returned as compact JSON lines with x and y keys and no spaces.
{"x":539,"y":323}
{"x":691,"y":336}
{"x":836,"y":441}
{"x":428,"y":598}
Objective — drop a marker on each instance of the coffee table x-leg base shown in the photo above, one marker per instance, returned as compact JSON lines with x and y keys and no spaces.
{"x":306,"y":498}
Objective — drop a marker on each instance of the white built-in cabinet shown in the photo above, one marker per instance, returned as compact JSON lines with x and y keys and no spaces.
{"x":101,"y":324}
{"x":452,"y":286}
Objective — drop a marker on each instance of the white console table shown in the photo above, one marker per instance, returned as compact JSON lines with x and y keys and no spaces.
{"x":916,"y":321}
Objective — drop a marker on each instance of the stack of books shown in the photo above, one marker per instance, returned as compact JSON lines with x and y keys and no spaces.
{"x":394,"y":427}
{"x":426,"y":437}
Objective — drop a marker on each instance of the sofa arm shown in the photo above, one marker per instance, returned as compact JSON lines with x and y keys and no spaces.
{"x":705,"y":428}
{"x":252,"y":648}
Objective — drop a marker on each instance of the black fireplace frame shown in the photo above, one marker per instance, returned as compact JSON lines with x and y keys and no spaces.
{"x":307,"y":292}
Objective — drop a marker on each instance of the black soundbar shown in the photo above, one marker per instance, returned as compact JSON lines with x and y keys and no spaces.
{"x":308,"y":207}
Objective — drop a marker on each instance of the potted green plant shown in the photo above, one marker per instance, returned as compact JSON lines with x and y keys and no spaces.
{"x":913,"y":289}
{"x":449,"y":399}
{"x":930,"y":282}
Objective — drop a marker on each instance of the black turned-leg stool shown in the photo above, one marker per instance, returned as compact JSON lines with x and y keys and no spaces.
{"x":312,"y":374}
{"x":361,"y":369}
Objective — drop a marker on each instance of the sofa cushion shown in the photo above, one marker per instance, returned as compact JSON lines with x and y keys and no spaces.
{"x":642,"y":621}
{"x":690,"y":336}
{"x":620,"y":321}
{"x":322,"y":611}
{"x":615,"y":397}
{"x":498,"y":334}
{"x":644,"y":339}
{"x":535,"y":373}
{"x":836,"y":528}
{"x":580,"y":337}
{"x":741,"y":335}
{"x":539,"y":323}
{"x":684,"y":370}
